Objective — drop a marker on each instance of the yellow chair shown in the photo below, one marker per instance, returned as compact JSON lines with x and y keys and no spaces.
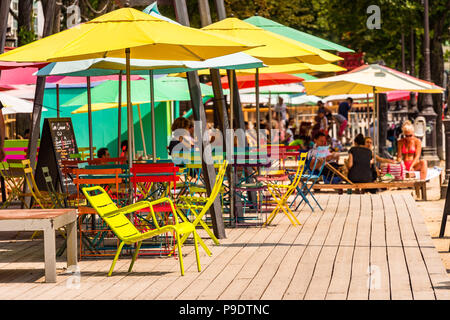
{"x":281,"y":193}
{"x":14,"y":176}
{"x":42,"y":198}
{"x":202,"y":204}
{"x":127,"y":233}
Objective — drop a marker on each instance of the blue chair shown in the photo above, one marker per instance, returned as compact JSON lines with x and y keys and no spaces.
{"x":312,"y":173}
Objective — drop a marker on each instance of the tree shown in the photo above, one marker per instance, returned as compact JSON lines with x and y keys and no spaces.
{"x":24,"y":22}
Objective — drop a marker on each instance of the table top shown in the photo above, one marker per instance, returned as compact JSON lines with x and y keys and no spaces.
{"x":34,"y":213}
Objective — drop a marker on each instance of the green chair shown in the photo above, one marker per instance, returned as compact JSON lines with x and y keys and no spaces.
{"x":125,"y":230}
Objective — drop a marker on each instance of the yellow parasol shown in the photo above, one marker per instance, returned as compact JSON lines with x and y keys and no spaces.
{"x":276,"y":50}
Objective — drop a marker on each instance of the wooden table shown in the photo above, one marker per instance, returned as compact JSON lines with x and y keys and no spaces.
{"x":47,"y":220}
{"x":419,"y":186}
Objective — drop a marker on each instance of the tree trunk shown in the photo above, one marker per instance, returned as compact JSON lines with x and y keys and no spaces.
{"x":4,"y":11}
{"x":383,"y":106}
{"x":437,"y":76}
{"x":49,"y":11}
{"x":24,"y":23}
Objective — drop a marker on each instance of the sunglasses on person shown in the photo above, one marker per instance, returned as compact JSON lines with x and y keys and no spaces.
{"x":408,"y":135}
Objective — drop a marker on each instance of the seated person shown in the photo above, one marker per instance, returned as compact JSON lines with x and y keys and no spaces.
{"x":409,"y":150}
{"x":298,"y":141}
{"x":332,"y":158}
{"x":182,"y":129}
{"x":103,"y":153}
{"x":124,"y":149}
{"x":369,"y":144}
{"x":360,"y":161}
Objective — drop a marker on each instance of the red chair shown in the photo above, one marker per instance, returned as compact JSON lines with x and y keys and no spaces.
{"x":148,"y":181}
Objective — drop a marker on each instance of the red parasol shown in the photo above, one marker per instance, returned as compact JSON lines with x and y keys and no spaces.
{"x":265,"y":79}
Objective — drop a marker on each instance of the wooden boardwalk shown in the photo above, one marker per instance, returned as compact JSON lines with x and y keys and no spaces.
{"x":359,"y":247}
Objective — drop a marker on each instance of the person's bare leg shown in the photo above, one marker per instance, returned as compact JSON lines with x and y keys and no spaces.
{"x":422,"y":167}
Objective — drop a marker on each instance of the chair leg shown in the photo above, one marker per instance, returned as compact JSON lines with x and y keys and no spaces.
{"x":135,"y":255}
{"x":115,"y":258}
{"x":197,"y":256}
{"x":180,"y":254}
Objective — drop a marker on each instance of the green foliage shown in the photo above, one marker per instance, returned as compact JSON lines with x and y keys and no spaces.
{"x":25,"y":36}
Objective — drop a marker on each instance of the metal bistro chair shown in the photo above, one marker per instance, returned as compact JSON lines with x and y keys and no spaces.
{"x":202,"y":204}
{"x":314,"y":167}
{"x":127,"y":233}
{"x":281,"y":194}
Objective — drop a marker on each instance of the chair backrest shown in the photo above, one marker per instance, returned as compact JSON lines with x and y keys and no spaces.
{"x":215,"y":190}
{"x":31,"y":182}
{"x":118,"y":160}
{"x":97,"y":177}
{"x":105,"y":207}
{"x":300,"y":168}
{"x":318,"y":160}
{"x":50,"y":187}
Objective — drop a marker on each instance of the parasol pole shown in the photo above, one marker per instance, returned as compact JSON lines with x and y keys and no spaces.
{"x":375,"y":125}
{"x":91,"y":147}
{"x":142,"y":130}
{"x":270,"y":119}
{"x":152,"y":99}
{"x":129,"y":111}
{"x":119,"y":116}
{"x":258,"y":115}
{"x":368,"y":115}
{"x":232,"y":204}
{"x":57,"y":101}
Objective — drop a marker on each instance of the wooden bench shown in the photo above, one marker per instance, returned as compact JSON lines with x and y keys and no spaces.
{"x":418,"y":185}
{"x":47,"y":220}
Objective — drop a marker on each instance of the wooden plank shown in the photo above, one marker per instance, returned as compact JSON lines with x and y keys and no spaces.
{"x":342,"y":268}
{"x":359,"y":288}
{"x":306,"y":265}
{"x":436,"y":270}
{"x":149,"y":268}
{"x":246,"y":263}
{"x":420,"y":281}
{"x":205,"y":278}
{"x":131,"y":285}
{"x":250,"y":284}
{"x":400,"y":286}
{"x":320,"y":281}
{"x":286,"y":271}
{"x":379,"y":286}
{"x":250,"y":252}
{"x":28,"y":273}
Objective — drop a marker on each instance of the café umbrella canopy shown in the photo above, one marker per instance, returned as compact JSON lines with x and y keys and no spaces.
{"x":273,"y":48}
{"x":106,"y":96}
{"x":292,"y":68}
{"x":295,"y":34}
{"x":126,"y":33}
{"x":367,"y":79}
{"x":13,"y":105}
{"x":266,"y":79}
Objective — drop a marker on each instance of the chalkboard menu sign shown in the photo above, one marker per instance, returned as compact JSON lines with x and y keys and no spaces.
{"x":57,"y":143}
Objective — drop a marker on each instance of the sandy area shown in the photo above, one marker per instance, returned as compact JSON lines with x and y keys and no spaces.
{"x":432,"y":212}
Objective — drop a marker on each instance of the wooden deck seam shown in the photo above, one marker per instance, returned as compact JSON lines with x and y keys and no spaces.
{"x":420,"y":248}
{"x":353,"y":253}
{"x":337,"y":250}
{"x":323,"y":244}
{"x":269,"y":254}
{"x":287,"y":250}
{"x":307,"y":246}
